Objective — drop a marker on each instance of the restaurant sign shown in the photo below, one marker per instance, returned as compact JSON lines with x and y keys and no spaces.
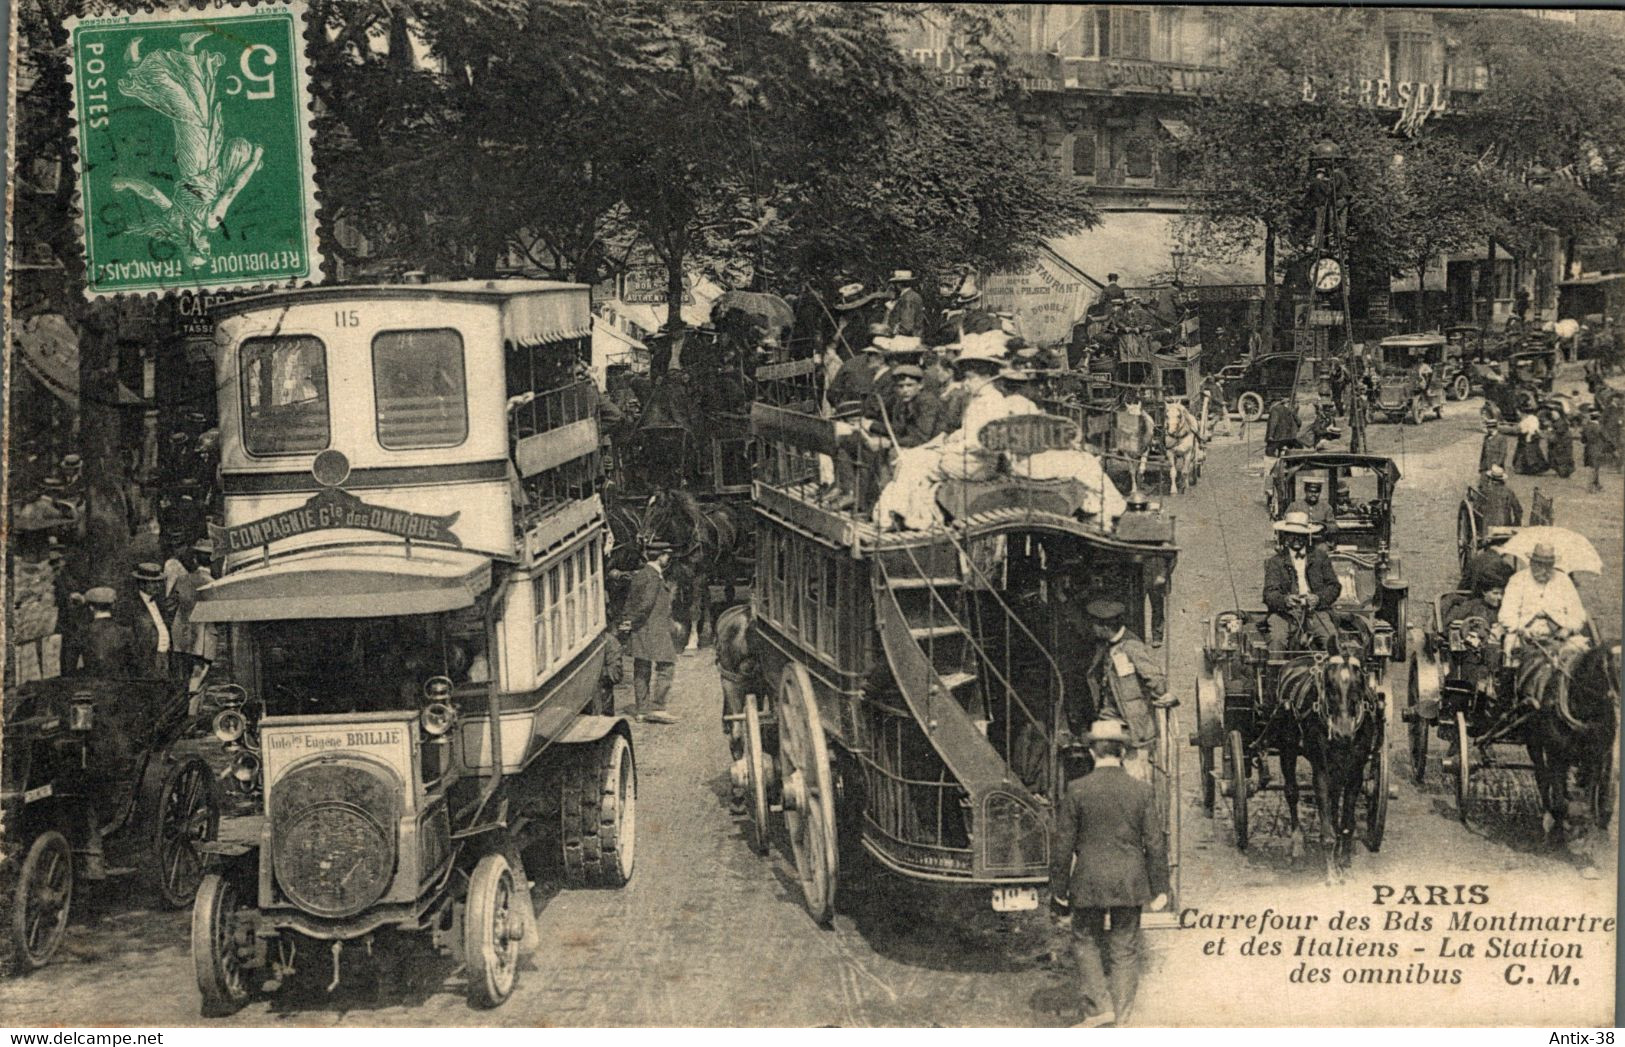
{"x":333,"y":508}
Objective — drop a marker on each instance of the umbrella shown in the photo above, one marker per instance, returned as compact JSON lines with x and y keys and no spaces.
{"x":1575,"y":553}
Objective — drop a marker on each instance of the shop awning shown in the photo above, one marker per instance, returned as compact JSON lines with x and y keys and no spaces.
{"x":1178,"y":130}
{"x":48,"y":348}
{"x":347,"y":584}
{"x":1139,"y":246}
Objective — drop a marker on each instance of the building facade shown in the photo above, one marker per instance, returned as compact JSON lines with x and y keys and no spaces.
{"x":1109,"y":88}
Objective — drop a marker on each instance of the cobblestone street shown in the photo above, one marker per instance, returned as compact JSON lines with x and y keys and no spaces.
{"x":709,"y":934}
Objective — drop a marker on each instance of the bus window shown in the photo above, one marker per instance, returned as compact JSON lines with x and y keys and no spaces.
{"x":418,"y":379}
{"x":284,"y":394}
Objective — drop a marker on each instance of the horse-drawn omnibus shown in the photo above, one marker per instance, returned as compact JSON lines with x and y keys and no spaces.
{"x":914,"y":696}
{"x":414,"y":685}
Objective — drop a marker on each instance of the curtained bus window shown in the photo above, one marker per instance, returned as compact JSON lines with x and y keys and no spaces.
{"x":284,"y":394}
{"x":418,"y":384}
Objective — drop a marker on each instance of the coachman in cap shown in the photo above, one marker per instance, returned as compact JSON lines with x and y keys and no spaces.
{"x":1108,"y":861}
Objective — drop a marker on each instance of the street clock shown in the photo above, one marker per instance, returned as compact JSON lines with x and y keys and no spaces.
{"x":1327,"y":275}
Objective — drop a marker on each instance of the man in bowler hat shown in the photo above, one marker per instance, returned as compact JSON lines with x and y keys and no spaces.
{"x":648,"y":619}
{"x":1109,"y":859}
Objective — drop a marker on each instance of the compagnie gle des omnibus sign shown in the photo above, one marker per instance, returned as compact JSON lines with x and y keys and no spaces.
{"x":332,"y":509}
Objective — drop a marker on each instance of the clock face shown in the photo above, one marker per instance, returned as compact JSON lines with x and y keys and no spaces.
{"x":1327,"y":274}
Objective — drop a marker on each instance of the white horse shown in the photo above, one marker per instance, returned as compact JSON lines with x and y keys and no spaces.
{"x":1182,"y":441}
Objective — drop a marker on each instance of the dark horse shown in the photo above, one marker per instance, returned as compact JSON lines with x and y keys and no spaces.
{"x":1335,"y":720}
{"x":1574,"y":689}
{"x":704,"y":540}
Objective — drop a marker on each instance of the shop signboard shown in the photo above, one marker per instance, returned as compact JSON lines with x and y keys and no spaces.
{"x":1049,"y":296}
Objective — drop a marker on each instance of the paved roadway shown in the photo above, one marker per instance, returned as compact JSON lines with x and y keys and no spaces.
{"x":708,"y":934}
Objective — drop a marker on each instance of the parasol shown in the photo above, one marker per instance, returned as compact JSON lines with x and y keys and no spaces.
{"x":1575,"y":553}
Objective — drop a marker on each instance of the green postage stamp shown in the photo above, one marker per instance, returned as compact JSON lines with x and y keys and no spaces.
{"x":193,"y":134}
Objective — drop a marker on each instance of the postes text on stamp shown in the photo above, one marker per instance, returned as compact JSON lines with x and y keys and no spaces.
{"x":195,"y":169}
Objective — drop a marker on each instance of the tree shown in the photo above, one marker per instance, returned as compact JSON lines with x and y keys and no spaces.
{"x":1441,"y":200}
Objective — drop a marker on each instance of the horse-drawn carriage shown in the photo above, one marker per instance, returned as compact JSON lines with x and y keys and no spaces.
{"x":96,"y":784}
{"x":1473,"y":535}
{"x":1527,"y":380}
{"x":1400,"y":390}
{"x":1551,"y":707}
{"x":1159,"y":449}
{"x":1251,"y":705}
{"x":900,"y":694}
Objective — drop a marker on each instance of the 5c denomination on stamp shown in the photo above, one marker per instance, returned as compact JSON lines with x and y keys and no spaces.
{"x":193,"y":135}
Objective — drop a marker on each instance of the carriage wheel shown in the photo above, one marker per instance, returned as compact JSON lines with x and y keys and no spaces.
{"x":1238,"y":788}
{"x":1210,"y":788}
{"x":1600,"y":795}
{"x":1413,"y":414}
{"x":1251,"y":406}
{"x":187,"y":814}
{"x":1463,"y":766}
{"x":1419,"y":728}
{"x":40,"y":901}
{"x":1376,"y":798}
{"x":808,"y":787}
{"x":756,"y":833}
{"x":1461,"y":386}
{"x":1466,"y":534}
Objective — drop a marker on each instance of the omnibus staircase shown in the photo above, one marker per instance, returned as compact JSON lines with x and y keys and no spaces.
{"x":946,"y":675}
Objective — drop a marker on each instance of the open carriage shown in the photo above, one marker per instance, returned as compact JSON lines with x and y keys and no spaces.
{"x":414,"y":689}
{"x":1240,"y":709}
{"x":95,"y":785}
{"x":913,"y":696}
{"x":1146,"y":454}
{"x":1473,"y":535}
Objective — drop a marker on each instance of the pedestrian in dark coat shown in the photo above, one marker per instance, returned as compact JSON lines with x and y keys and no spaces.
{"x":647,"y":618}
{"x":1127,"y":680}
{"x":1494,"y":449}
{"x":1499,"y":502}
{"x":1560,"y":444}
{"x":1281,"y":432}
{"x":1109,"y":859}
{"x":148,"y":616}
{"x":1596,"y":449}
{"x":108,"y":647}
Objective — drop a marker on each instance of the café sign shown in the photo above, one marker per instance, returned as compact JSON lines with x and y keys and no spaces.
{"x":331,"y":509}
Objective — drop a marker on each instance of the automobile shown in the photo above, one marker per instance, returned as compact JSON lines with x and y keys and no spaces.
{"x":1525,"y":379}
{"x":1251,"y":386}
{"x":414,"y":686}
{"x":1399,"y":392}
{"x":1467,"y":356}
{"x":94,"y":785}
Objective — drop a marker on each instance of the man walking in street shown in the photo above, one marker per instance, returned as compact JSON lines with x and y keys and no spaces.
{"x":1109,"y":859}
{"x":648,"y":620}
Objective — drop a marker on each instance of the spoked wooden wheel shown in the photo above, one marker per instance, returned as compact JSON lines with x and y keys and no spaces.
{"x":222,"y":977}
{"x":41,"y":900}
{"x":187,"y":814}
{"x":808,"y":788}
{"x":1463,"y":766}
{"x":1238,"y":788}
{"x":492,"y":930}
{"x":756,"y":772}
{"x":1376,"y":797}
{"x":1466,"y":534}
{"x":1418,"y":728}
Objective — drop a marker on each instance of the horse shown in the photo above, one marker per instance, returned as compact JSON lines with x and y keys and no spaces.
{"x":1573,"y":689}
{"x":1334,"y":719}
{"x":704,"y":540}
{"x":1181,"y":442}
{"x":737,"y":667}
